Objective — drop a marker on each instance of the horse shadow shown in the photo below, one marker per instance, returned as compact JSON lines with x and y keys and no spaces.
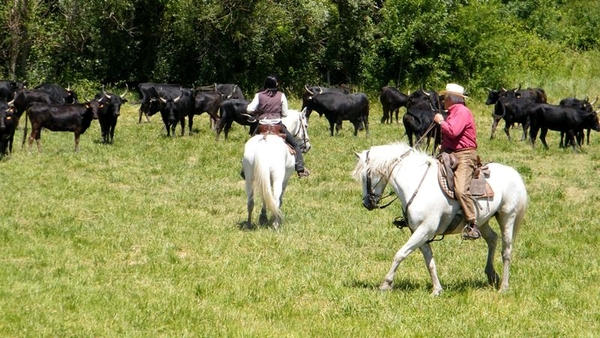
{"x":245,"y":226}
{"x":405,"y":285}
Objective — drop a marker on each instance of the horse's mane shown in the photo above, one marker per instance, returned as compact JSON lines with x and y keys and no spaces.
{"x":384,"y":158}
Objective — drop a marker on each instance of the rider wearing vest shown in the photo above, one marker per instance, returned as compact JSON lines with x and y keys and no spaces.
{"x":459,"y":137}
{"x":269,"y":106}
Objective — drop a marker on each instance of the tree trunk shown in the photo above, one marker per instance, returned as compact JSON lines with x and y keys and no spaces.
{"x":17,"y":20}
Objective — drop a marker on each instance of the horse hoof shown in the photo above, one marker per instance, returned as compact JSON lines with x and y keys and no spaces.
{"x":385,"y":286}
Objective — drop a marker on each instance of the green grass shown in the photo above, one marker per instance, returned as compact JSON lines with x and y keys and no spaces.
{"x":142,"y":238}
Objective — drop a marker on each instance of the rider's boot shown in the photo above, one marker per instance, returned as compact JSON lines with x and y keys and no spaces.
{"x":471,"y":231}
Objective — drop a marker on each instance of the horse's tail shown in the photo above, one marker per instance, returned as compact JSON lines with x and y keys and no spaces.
{"x":262,"y":184}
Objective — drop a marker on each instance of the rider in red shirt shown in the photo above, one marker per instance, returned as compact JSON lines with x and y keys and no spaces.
{"x":459,"y":136}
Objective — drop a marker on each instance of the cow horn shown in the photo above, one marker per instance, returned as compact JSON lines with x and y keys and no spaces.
{"x":126,"y":91}
{"x":320,"y":90}
{"x":178,"y":97}
{"x":11,"y":103}
{"x":249,"y":117}
{"x":489,"y":89}
{"x":69,"y":87}
{"x":594,"y":101}
{"x":162,"y":99}
{"x":308,"y":90}
{"x":104,"y":94}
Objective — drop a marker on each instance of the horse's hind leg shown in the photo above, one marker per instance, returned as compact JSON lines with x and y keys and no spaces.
{"x":491,"y":238}
{"x":250,"y":201}
{"x":263,"y":219}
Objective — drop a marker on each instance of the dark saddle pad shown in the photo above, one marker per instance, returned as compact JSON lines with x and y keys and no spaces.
{"x":479,"y":187}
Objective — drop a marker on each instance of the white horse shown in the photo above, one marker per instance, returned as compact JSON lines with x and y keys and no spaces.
{"x":297,"y":124}
{"x":429,"y":212}
{"x":268,"y":164}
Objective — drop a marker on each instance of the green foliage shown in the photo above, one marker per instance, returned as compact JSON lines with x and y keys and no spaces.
{"x":367,"y":44}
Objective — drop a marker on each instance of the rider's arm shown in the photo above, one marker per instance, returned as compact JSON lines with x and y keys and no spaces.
{"x":253,"y":106}
{"x":284,"y":105}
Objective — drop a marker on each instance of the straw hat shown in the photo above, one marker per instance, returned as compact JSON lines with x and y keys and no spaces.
{"x":454,"y":89}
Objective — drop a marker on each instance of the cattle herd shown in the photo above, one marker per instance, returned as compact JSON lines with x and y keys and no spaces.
{"x":55,"y":108}
{"x":527,"y":107}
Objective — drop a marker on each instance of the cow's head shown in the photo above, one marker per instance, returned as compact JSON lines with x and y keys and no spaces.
{"x":170,"y":107}
{"x":94,"y":106}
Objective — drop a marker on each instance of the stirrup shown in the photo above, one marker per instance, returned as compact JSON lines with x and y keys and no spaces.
{"x":304,"y":173}
{"x":470,"y":233}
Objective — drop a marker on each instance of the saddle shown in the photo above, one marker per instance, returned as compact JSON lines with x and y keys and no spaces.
{"x":273,"y":129}
{"x":479,"y":186}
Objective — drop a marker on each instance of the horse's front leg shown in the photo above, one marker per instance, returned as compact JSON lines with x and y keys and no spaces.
{"x":430,"y":263}
{"x":416,"y":240}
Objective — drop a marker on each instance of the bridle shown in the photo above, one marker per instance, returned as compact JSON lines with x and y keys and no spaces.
{"x":374,"y":198}
{"x":304,"y":131}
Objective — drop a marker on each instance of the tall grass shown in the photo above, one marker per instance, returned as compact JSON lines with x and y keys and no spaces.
{"x":142,"y":238}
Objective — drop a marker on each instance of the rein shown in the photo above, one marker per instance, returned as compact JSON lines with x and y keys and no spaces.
{"x":302,"y":129}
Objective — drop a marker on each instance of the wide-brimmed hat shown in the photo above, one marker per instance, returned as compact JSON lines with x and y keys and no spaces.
{"x":454,"y":89}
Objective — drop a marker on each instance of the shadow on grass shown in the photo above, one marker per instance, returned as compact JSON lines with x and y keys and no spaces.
{"x":404,"y":285}
{"x":245,"y":226}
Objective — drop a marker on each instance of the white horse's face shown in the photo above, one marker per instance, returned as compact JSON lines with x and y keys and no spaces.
{"x":373,"y":182}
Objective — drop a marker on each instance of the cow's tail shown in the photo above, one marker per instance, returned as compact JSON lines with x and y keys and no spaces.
{"x":262,"y":184}
{"x":25,"y":129}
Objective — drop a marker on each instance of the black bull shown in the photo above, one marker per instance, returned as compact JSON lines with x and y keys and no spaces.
{"x":338,"y":107}
{"x":75,"y":118}
{"x":233,"y":111}
{"x":7,"y":129}
{"x":544,"y":117}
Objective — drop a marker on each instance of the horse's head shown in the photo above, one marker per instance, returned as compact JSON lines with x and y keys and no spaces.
{"x":373,"y":181}
{"x":297,"y":124}
{"x":303,"y":125}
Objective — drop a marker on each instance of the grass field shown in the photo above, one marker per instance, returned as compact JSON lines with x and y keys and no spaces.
{"x":142,"y":239}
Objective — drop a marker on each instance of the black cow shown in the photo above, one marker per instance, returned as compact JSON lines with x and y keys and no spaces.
{"x":310,"y":91}
{"x":57,"y":117}
{"x":544,"y":117}
{"x":205,"y":101}
{"x":493,"y":97}
{"x":338,"y":107}
{"x":174,"y":109}
{"x":7,"y":129}
{"x":149,"y":97}
{"x":421,"y":108}
{"x":233,"y":111}
{"x":419,"y":122}
{"x":58,"y":93}
{"x":582,"y":105}
{"x":109,"y":113}
{"x":391,"y":100}
{"x":24,"y":98}
{"x":9,"y":88}
{"x":506,"y":100}
{"x":423,"y":99}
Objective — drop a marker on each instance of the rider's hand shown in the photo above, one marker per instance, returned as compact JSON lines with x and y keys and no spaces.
{"x":438,"y":118}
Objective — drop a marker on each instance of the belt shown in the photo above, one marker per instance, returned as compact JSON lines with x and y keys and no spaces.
{"x":459,"y":150}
